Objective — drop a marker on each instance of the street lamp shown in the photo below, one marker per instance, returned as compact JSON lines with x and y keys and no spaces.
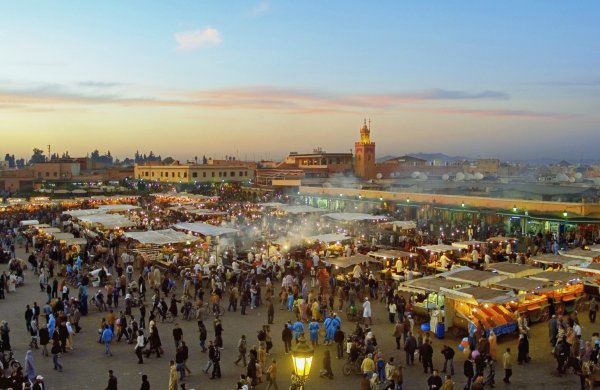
{"x":302,"y":355}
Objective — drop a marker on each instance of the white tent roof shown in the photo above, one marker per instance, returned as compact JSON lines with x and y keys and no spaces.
{"x":438,"y":248}
{"x":50,"y":230}
{"x":29,"y":222}
{"x":109,"y":221}
{"x":467,"y":244}
{"x":405,"y":225}
{"x":207,"y":212}
{"x":329,"y":237}
{"x":204,"y":228}
{"x":581,"y":254}
{"x":300,"y":209}
{"x":82,"y":213}
{"x":355,"y":217}
{"x":160,"y":237}
{"x":118,"y":207}
{"x":62,"y":236}
{"x":79,"y":191}
{"x":76,"y":241}
{"x":595,"y":248}
{"x":271,"y":204}
{"x":40,"y":226}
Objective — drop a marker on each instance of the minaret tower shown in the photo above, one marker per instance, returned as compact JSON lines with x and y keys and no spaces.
{"x":364,"y":164}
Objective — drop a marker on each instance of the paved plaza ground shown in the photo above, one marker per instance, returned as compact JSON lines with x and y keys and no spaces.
{"x":86,"y":367}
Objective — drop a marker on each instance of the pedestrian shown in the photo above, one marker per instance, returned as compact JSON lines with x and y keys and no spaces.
{"x":179,"y":363}
{"x":139,"y":346}
{"x":186,"y":353}
{"x":593,"y":310}
{"x":112,"y":381}
{"x":270,"y":311}
{"x":145,"y":384}
{"x":398,"y":332}
{"x":211,"y":352}
{"x":410,"y":346}
{"x":426,"y":353}
{"x":177,"y":335}
{"x":218,"y":333}
{"x":286,"y":337}
{"x":216,"y":360}
{"x":202,"y":335}
{"x":38,"y":384}
{"x":490,"y":377}
{"x":507,"y":363}
{"x":434,"y":382}
{"x":338,"y":338}
{"x":172,"y":376}
{"x":469,"y":372}
{"x":448,"y":383}
{"x":523,"y":349}
{"x":326,"y":371}
{"x":56,"y":354}
{"x":106,"y":338}
{"x":392,"y":309}
{"x":29,"y":366}
{"x":272,"y":375}
{"x":367,"y":311}
{"x":242,"y":348}
{"x":478,"y":384}
{"x":448,"y":359}
{"x":44,"y":339}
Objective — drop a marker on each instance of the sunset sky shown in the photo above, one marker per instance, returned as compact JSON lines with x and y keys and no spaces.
{"x":258,"y":79}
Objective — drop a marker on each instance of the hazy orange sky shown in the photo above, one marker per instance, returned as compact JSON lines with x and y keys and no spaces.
{"x":257,"y":80}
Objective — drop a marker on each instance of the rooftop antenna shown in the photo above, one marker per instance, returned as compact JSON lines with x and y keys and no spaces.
{"x":369,"y":124}
{"x":48,"y":153}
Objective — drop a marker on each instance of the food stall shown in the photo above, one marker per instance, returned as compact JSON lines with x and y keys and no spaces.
{"x":340,"y":265}
{"x":331,"y":244}
{"x":394,"y":261}
{"x":440,"y":257}
{"x":499,"y":245}
{"x":581,"y":254}
{"x":591,"y":285}
{"x":466,"y":307}
{"x":567,"y":289}
{"x":475,"y":277}
{"x":529,"y":300}
{"x":466,"y":249}
{"x":427,"y":293}
{"x":166,"y":243}
{"x":554,"y":262}
{"x":513,"y":270}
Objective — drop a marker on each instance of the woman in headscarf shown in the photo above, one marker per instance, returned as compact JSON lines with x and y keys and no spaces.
{"x":173,"y":376}
{"x":29,"y":366}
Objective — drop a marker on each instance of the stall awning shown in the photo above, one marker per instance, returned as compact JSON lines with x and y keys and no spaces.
{"x":161,"y":237}
{"x":558,"y":276}
{"x":118,"y":207}
{"x":207,"y":213}
{"x":404,"y":225}
{"x":391,"y":254}
{"x":301,"y":209}
{"x":50,"y":230}
{"x":205,"y":229}
{"x":62,"y":236}
{"x":108,"y":221}
{"x":476,"y":277}
{"x":83,"y":213}
{"x":467,"y":244}
{"x":513,"y":270}
{"x":595,"y":248}
{"x":428,"y":284}
{"x":438,"y":248}
{"x":522,"y":284}
{"x":271,"y":204}
{"x":29,"y":222}
{"x":76,"y":241}
{"x":556,"y":259}
{"x":477,"y":295}
{"x":592,"y":268}
{"x":346,"y":262}
{"x":349,"y":217}
{"x":332,"y":237}
{"x":580,"y":254}
{"x":500,"y":239}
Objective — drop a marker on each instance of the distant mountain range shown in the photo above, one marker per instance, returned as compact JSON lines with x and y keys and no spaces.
{"x":428,"y":157}
{"x":532,"y":161}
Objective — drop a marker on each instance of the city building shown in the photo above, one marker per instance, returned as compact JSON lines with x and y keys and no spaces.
{"x":364,"y":162}
{"x":235,"y":171}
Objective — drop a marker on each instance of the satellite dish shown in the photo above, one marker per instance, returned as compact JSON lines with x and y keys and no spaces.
{"x":478,"y":176}
{"x":459,"y":177}
{"x":468,"y":176}
{"x":379,"y":176}
{"x":445,"y":177}
{"x":578,"y":175}
{"x":415,"y":174}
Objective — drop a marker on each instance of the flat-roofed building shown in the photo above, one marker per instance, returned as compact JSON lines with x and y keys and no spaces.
{"x":190,"y":172}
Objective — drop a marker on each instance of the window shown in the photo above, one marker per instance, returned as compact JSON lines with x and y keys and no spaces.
{"x":146,"y":173}
{"x":241,"y":173}
{"x":178,"y":174}
{"x":224,"y":174}
{"x":184,"y":174}
{"x":203,"y":174}
{"x":47,"y":174}
{"x":55,"y":174}
{"x":232,"y":174}
{"x":152,"y":174}
{"x":213,"y":174}
{"x":246,"y":173}
{"x":161,"y":174}
{"x":172,"y":174}
{"x":195,"y":174}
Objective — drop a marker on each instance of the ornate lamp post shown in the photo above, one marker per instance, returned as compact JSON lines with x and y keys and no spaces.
{"x":302,"y":355}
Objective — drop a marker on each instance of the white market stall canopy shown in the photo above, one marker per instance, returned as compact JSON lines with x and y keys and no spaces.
{"x":592,"y":268}
{"x":50,"y":230}
{"x":205,"y":229}
{"x":390,"y":254}
{"x":271,"y":204}
{"x":108,"y":221}
{"x":550,"y":259}
{"x":300,"y":209}
{"x":76,"y":241}
{"x":29,"y":222}
{"x":580,"y":254}
{"x":476,"y":277}
{"x":332,"y":237}
{"x":82,"y":213}
{"x":558,"y":276}
{"x":501,"y":239}
{"x":118,"y":207}
{"x":513,"y":270}
{"x":428,"y":284}
{"x":522,"y":284}
{"x":595,"y":248}
{"x":346,"y":262}
{"x":348,"y":217}
{"x":79,"y":191}
{"x":404,"y":225}
{"x":207,"y":212}
{"x":161,"y":237}
{"x":438,"y":248}
{"x":467,"y":244}
{"x":63,"y":236}
{"x":477,"y":295}
{"x":40,"y":226}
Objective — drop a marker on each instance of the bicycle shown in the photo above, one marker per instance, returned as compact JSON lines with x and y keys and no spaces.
{"x":168,"y":317}
{"x":352,"y":367}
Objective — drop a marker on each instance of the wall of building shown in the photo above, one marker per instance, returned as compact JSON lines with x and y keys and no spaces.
{"x":193,"y":173}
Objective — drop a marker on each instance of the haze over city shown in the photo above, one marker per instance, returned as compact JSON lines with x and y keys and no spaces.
{"x":260,"y":79}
